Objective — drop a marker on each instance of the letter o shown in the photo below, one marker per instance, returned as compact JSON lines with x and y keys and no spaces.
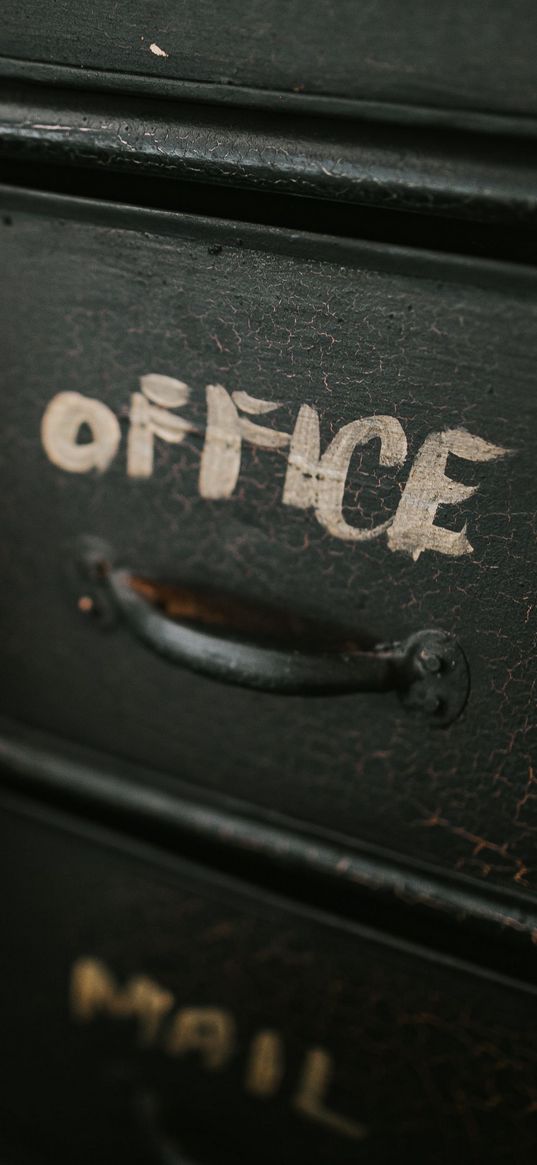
{"x":61,"y":424}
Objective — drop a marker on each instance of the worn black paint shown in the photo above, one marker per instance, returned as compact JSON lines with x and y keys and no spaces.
{"x":469,"y":55}
{"x":454,"y":914}
{"x":471,"y":177}
{"x":96,"y":298}
{"x":390,"y":908}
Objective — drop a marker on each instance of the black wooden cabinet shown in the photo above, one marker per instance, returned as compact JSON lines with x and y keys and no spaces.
{"x":267,"y":615}
{"x":98,"y":299}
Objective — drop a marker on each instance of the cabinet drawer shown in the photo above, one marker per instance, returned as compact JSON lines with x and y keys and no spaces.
{"x":151,"y":1011}
{"x":469,"y":57}
{"x":415,"y":511}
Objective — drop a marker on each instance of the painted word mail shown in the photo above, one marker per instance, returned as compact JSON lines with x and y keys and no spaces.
{"x":314,"y":479}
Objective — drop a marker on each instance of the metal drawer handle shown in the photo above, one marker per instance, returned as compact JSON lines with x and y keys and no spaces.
{"x":428,"y":670}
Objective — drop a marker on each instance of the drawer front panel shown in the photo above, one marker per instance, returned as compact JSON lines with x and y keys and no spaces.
{"x":470,"y":57}
{"x":150,"y":1012}
{"x":440,"y":354}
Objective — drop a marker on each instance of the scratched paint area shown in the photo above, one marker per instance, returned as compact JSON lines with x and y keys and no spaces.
{"x":92,"y":308}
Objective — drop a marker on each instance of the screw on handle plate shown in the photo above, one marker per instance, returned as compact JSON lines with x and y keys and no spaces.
{"x":439,"y":682}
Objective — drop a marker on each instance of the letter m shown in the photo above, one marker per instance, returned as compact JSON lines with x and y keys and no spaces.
{"x":94,"y":992}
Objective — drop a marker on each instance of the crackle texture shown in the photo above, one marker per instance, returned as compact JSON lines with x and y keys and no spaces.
{"x":94,"y":299}
{"x":469,"y":177}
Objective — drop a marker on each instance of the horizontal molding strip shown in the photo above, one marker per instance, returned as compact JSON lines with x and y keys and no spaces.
{"x":453,"y":915}
{"x":469,"y":253}
{"x":17,"y":69}
{"x":466,"y":177}
{"x":17,"y":805}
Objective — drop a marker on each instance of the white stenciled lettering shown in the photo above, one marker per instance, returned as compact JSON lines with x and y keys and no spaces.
{"x":221,"y":457}
{"x":300,"y":488}
{"x":428,"y":487}
{"x":150,"y":417}
{"x":62,"y":423}
{"x":313,"y":480}
{"x":320,"y":482}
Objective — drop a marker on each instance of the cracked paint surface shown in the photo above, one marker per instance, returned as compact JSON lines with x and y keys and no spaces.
{"x":90,"y":308}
